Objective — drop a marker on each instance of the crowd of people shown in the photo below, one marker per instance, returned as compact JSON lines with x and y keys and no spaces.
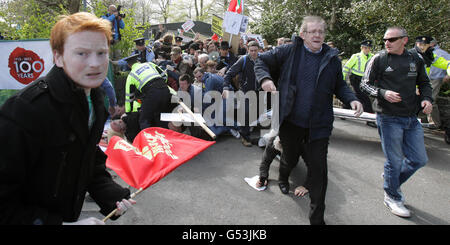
{"x":197,"y":67}
{"x":47,"y":184}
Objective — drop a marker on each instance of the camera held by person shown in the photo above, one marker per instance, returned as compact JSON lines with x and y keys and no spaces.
{"x":122,"y":15}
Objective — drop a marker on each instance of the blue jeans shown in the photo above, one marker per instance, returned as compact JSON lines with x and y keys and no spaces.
{"x":403,"y":145}
{"x":223,"y":127}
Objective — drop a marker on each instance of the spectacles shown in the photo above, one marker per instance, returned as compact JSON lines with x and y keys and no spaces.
{"x":321,"y":33}
{"x":392,"y":39}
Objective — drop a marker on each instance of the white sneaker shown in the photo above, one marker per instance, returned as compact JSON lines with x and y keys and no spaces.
{"x":262,"y":142}
{"x":398,"y":190}
{"x":396,"y":207}
{"x":235,"y":133}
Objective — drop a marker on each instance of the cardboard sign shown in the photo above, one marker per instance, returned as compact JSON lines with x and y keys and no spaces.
{"x":234,"y":41}
{"x":188,"y":25}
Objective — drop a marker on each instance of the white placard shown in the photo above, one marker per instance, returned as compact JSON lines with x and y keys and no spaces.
{"x":351,"y":114}
{"x":258,"y":38}
{"x":232,"y":22}
{"x":188,"y":25}
{"x":244,"y":24}
{"x":181,"y":117}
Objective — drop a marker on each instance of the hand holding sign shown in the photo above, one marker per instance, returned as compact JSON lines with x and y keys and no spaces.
{"x":188,"y":25}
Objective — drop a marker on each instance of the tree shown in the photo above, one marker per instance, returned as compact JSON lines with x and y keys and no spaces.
{"x":29,"y":19}
{"x":198,"y":9}
{"x":428,"y":18}
{"x":72,"y":6}
{"x":351,"y":21}
{"x":132,"y":29}
{"x":164,"y":9}
{"x":278,"y":19}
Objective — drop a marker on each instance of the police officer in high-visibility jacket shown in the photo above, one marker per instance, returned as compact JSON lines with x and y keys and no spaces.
{"x":424,"y":48}
{"x":151,"y":81}
{"x":132,"y":95}
{"x":355,"y":67}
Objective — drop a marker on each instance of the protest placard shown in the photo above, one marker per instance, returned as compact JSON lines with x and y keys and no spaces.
{"x":188,"y":25}
{"x":216,"y":25}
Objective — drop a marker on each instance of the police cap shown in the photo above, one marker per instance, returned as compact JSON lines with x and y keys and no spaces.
{"x":140,"y":41}
{"x":132,"y":58}
{"x":423,"y":39}
{"x":178,"y":39}
{"x":366,"y":43}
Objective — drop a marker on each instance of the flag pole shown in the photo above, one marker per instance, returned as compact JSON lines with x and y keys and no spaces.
{"x":199,"y":122}
{"x":115,"y":210}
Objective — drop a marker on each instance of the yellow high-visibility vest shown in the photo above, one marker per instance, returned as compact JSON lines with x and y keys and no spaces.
{"x":356,"y":64}
{"x":140,"y":75}
{"x":441,"y":63}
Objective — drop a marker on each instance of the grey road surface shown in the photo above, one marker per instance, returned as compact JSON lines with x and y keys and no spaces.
{"x":210,"y":189}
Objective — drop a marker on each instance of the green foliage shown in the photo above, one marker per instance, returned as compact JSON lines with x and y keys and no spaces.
{"x":35,"y":21}
{"x":371,"y":18}
{"x":445,"y":90}
{"x":275,"y":23}
{"x":5,"y":94}
{"x":131,"y":31}
{"x":351,"y":21}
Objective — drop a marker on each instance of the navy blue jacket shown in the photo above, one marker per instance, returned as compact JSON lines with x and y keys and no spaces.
{"x":283,"y":60}
{"x":246,"y":70}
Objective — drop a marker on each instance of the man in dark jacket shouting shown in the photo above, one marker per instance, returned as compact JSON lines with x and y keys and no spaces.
{"x":49,"y":156}
{"x":310,"y":73}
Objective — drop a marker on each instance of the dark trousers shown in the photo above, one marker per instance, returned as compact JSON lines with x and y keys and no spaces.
{"x":270,"y":153}
{"x":156,"y":100}
{"x":244,"y":130}
{"x":316,"y":151}
{"x":133,"y":128}
{"x":362,"y":97}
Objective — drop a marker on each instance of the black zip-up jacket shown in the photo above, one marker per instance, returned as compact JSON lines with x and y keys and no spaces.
{"x":401,"y":74}
{"x":247,"y":79}
{"x":49,"y":157}
{"x":284,"y":60}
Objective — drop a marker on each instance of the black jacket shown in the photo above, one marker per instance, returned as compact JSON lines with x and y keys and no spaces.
{"x":226,"y":61}
{"x":247,"y":78}
{"x":49,"y":158}
{"x":399,"y":73}
{"x":284,"y":61}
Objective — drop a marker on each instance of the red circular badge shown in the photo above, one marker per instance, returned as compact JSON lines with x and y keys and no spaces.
{"x":25,"y":65}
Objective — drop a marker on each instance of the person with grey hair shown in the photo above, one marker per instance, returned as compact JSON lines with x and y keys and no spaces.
{"x":391,"y":77}
{"x":202,"y":59}
{"x":310,"y":73}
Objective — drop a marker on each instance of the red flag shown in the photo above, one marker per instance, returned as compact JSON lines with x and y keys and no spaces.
{"x":155,"y":153}
{"x":215,"y":37}
{"x":236,"y":6}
